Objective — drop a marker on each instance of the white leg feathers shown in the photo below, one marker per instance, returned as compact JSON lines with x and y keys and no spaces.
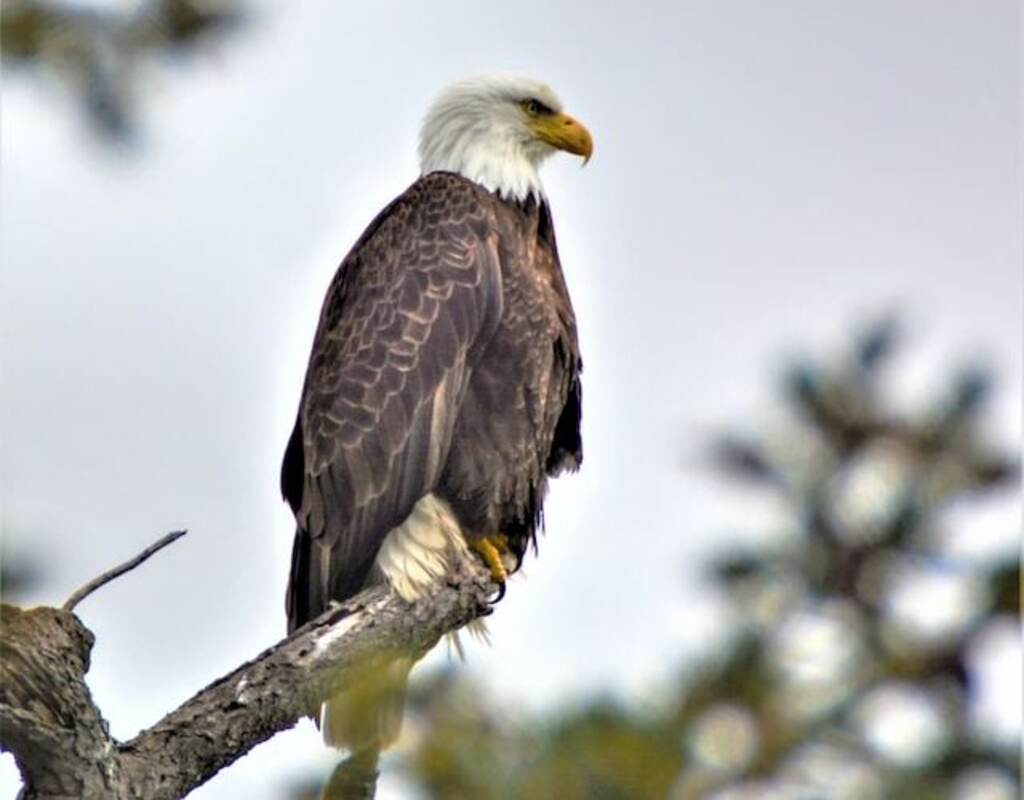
{"x":423,"y":549}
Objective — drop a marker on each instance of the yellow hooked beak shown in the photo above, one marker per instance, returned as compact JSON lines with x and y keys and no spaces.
{"x":562,"y":131}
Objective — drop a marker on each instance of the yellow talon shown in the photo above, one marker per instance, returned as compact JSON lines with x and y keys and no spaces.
{"x":490,"y":549}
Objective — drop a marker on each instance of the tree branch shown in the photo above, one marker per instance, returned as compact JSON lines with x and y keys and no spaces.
{"x":61,"y":742}
{"x":101,"y":580}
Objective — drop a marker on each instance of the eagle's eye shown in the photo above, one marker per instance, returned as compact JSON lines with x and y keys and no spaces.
{"x":533,"y":107}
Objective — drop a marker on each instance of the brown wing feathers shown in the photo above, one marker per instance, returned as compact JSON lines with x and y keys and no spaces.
{"x":419,"y":291}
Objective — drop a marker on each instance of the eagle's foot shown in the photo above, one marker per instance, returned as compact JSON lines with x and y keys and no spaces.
{"x":490,"y":549}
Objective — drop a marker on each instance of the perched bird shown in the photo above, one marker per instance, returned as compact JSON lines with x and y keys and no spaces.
{"x":443,"y":388}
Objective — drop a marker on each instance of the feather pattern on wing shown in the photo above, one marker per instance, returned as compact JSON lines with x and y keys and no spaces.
{"x":403,"y":324}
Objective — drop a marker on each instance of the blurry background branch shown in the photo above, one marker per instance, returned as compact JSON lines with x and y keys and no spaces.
{"x":98,"y":51}
{"x":62,"y":744}
{"x":852,"y":667}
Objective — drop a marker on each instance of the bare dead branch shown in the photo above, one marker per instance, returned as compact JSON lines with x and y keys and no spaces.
{"x":62,"y":744}
{"x":80,"y":594}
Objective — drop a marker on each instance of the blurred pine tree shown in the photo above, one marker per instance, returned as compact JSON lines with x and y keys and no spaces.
{"x":97,"y":50}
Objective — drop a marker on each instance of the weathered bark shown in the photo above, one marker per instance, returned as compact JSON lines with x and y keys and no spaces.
{"x":47,"y":717}
{"x":60,"y":740}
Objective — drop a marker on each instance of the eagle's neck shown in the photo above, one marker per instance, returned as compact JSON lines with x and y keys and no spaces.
{"x":484,"y":152}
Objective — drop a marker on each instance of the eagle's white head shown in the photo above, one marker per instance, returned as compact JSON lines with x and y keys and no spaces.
{"x":496,"y":131}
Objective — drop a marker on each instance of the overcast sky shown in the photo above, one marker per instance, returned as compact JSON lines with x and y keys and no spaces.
{"x":766,"y":176}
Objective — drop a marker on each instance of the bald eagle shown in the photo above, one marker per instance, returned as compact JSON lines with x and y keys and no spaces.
{"x":443,"y":388}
